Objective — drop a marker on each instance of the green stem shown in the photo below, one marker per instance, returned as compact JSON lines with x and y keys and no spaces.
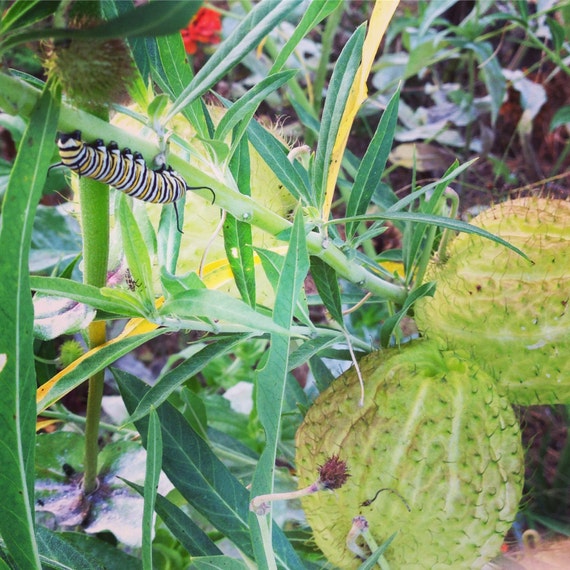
{"x":17,"y":97}
{"x":94,"y":203}
{"x":269,"y":561}
{"x":66,"y":416}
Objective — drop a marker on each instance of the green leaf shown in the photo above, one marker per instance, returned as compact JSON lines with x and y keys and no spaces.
{"x":440,"y":221}
{"x":218,"y":306}
{"x":433,"y":10}
{"x":557,"y":33}
{"x":237,"y":234}
{"x":337,"y":95}
{"x":136,"y":252}
{"x":326,"y":281}
{"x":272,"y":263}
{"x":152,"y":476}
{"x":262,"y":19}
{"x":561,"y":117}
{"x":24,"y":14}
{"x":152,"y":19}
{"x":452,"y":172}
{"x":274,"y":153}
{"x":55,"y":240}
{"x":244,"y":109}
{"x":194,"y":470}
{"x":174,"y":74}
{"x":271,"y":380}
{"x":173,"y":379}
{"x":369,"y":175}
{"x":321,"y":372}
{"x":388,"y":326}
{"x":372,"y":560}
{"x":106,"y":554}
{"x":57,"y":553}
{"x":17,"y":377}
{"x":199,"y":476}
{"x":184,"y":529}
{"x":239,"y":251}
{"x":315,"y":13}
{"x":89,"y":366}
{"x":82,"y":293}
{"x":169,"y":238}
{"x":311,"y":348}
{"x":492,"y":74}
{"x":217,"y":563}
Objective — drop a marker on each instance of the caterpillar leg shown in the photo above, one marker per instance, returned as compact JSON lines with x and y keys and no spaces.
{"x":177,"y":218}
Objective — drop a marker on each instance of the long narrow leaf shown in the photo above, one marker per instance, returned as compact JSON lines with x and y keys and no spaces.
{"x":84,"y":367}
{"x":185,"y":530}
{"x":218,"y":563}
{"x":271,"y":380}
{"x":24,"y":14}
{"x":176,"y":377}
{"x":220,"y":306}
{"x":326,"y":281}
{"x":338,"y":92}
{"x":440,"y":221}
{"x":392,"y":322}
{"x":238,"y":235}
{"x":175,"y":74}
{"x":200,"y":477}
{"x":452,"y":172}
{"x":56,"y":552}
{"x":152,"y":475}
{"x":254,"y":27}
{"x":81,"y":293}
{"x":274,"y":153}
{"x":245,"y":107}
{"x":17,"y":377}
{"x":152,"y":19}
{"x":369,"y":175}
{"x":272,"y":263}
{"x":136,"y":252}
{"x":315,"y":13}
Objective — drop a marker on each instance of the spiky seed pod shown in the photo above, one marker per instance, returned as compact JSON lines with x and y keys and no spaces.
{"x":512,"y":315}
{"x":93,"y":73}
{"x":436,"y":433}
{"x":69,"y":352}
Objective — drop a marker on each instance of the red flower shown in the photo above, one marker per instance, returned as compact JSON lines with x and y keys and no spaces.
{"x":204,"y":27}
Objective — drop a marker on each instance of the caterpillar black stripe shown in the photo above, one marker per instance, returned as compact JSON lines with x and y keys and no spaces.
{"x":124,"y":170}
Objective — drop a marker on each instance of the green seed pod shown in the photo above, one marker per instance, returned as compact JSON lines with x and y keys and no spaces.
{"x":435,"y":434}
{"x":510,"y":314}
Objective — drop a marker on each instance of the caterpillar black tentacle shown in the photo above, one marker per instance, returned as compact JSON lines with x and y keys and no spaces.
{"x":125,"y":170}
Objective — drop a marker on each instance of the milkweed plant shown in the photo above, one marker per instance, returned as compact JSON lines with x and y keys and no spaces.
{"x":222,"y":274}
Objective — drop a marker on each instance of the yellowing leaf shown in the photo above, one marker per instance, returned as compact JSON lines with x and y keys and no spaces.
{"x":381,"y":16}
{"x":45,"y":423}
{"x":132,"y":328}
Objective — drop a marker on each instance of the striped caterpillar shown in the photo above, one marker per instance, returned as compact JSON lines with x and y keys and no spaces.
{"x":124,"y":170}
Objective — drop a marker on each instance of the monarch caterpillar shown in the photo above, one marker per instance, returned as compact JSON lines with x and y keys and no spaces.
{"x":126,"y":171}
